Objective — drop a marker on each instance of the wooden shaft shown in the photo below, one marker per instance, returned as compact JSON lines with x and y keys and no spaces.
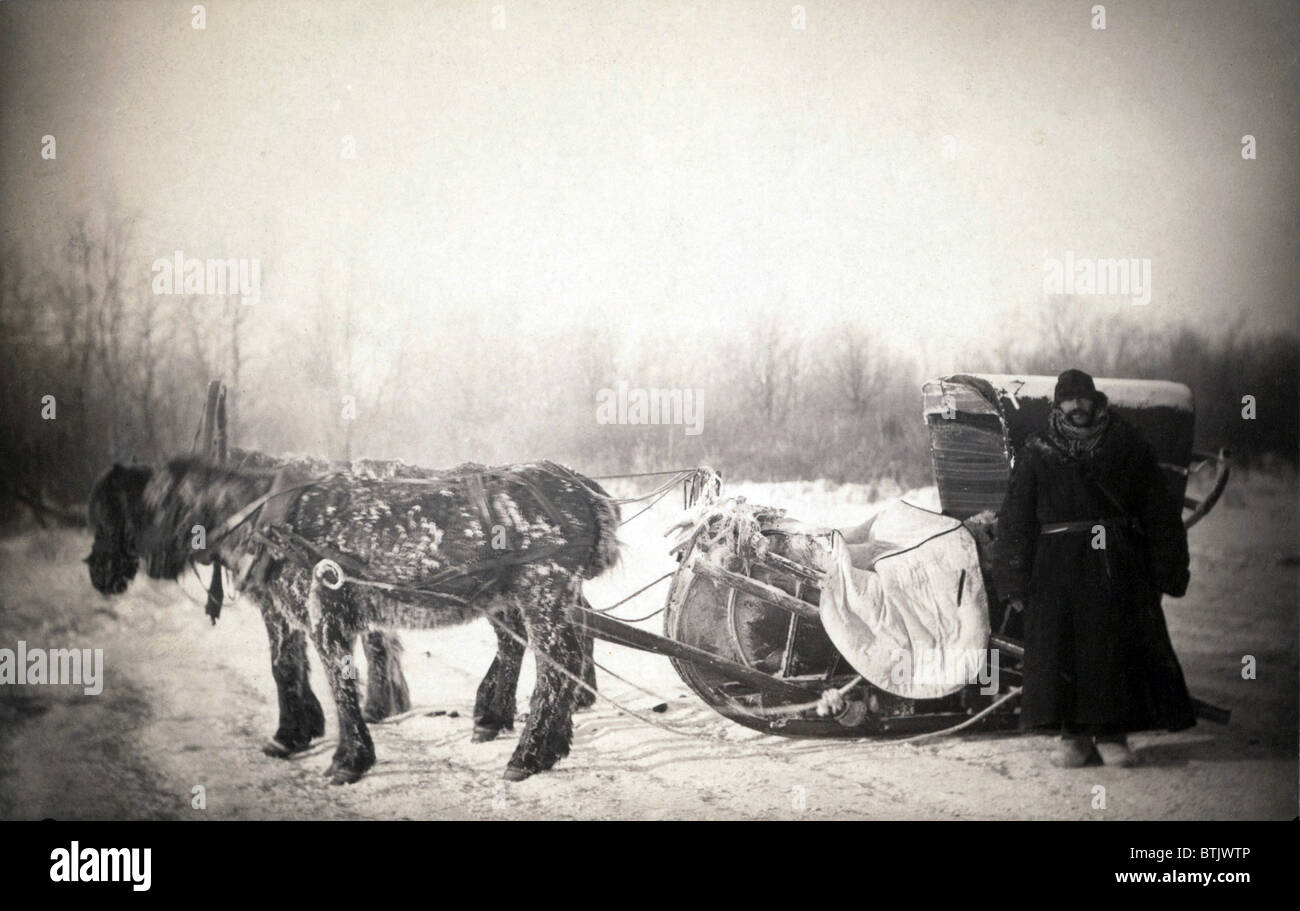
{"x":221,"y":426}
{"x":611,"y":630}
{"x":761,"y":590}
{"x":1005,"y":643}
{"x":209,"y":420}
{"x":779,"y":562}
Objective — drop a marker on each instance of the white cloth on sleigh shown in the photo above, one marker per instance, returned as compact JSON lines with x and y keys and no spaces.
{"x":916,"y":623}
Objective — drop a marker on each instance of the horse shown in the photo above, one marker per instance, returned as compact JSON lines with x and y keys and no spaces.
{"x":387,"y":694}
{"x":116,"y":514}
{"x":301,"y":717}
{"x":519,"y":538}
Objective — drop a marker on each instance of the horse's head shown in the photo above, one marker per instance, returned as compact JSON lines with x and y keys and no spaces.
{"x":117,"y":516}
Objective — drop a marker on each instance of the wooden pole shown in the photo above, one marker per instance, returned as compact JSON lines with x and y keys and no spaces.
{"x":619,"y":633}
{"x":214,"y":424}
{"x":761,"y":590}
{"x":221,"y":425}
{"x":209,"y":420}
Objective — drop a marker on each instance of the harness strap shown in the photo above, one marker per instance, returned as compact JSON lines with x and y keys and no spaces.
{"x":289,"y":544}
{"x":293,"y":546}
{"x":243,"y":515}
{"x":541,"y":498}
{"x":477,"y":493}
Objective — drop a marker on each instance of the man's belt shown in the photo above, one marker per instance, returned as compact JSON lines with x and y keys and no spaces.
{"x":1054,"y":528}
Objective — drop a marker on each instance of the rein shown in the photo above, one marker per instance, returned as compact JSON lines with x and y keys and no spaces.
{"x":244,"y":514}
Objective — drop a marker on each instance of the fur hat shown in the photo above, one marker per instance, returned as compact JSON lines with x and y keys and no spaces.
{"x":1074,"y":384}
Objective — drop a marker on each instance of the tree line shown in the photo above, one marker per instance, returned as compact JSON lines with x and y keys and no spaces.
{"x":777,"y":399}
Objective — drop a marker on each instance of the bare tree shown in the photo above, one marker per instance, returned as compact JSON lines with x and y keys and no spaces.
{"x":773,"y":364}
{"x":859,"y":366}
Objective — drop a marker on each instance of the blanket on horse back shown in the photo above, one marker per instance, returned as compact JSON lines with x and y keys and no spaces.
{"x":451,"y":534}
{"x":904,"y":602}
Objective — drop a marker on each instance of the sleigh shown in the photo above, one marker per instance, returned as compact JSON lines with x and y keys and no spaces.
{"x":749,"y":625}
{"x":764,"y":616}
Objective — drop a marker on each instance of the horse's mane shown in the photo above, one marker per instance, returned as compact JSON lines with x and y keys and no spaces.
{"x":113,"y":506}
{"x":188,"y":492}
{"x":200,"y":480}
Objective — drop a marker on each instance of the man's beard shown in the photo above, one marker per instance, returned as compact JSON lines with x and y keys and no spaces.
{"x":1081,"y":418}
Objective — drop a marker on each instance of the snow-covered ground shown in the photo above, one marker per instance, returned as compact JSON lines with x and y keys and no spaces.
{"x":187,"y":704}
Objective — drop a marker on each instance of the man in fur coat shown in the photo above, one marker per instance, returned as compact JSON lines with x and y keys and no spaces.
{"x":1088,"y":539}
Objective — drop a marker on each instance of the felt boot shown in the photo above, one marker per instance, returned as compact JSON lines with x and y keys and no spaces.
{"x":1115,"y":751}
{"x":1073,"y":752}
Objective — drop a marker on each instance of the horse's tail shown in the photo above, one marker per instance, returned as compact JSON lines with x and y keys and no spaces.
{"x":605,"y":551}
{"x":605,"y":516}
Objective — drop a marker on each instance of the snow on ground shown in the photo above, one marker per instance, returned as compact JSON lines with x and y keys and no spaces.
{"x":187,"y":704}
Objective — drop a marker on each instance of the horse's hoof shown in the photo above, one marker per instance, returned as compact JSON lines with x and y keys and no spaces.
{"x":516,"y":773}
{"x":482,"y":734}
{"x":338,"y":774}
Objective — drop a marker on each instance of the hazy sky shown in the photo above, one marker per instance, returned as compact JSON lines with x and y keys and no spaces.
{"x":661,"y":160}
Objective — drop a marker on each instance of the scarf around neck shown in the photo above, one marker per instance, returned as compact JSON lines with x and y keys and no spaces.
{"x":1078,"y":442}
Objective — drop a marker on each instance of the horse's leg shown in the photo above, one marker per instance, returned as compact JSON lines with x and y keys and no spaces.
{"x":334,"y":632}
{"x":494,"y":706}
{"x":545,"y":600}
{"x":386,"y":690}
{"x":301,"y":716}
{"x":586,"y":698}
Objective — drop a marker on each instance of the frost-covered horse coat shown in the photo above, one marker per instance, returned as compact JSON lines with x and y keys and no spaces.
{"x":301,"y":716}
{"x":457,"y":547}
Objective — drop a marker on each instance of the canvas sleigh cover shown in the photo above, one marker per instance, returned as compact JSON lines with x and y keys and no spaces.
{"x":907,"y":606}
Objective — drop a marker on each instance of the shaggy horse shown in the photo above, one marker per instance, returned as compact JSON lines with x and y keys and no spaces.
{"x":117,"y":517}
{"x":301,"y":717}
{"x":416,"y":553}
